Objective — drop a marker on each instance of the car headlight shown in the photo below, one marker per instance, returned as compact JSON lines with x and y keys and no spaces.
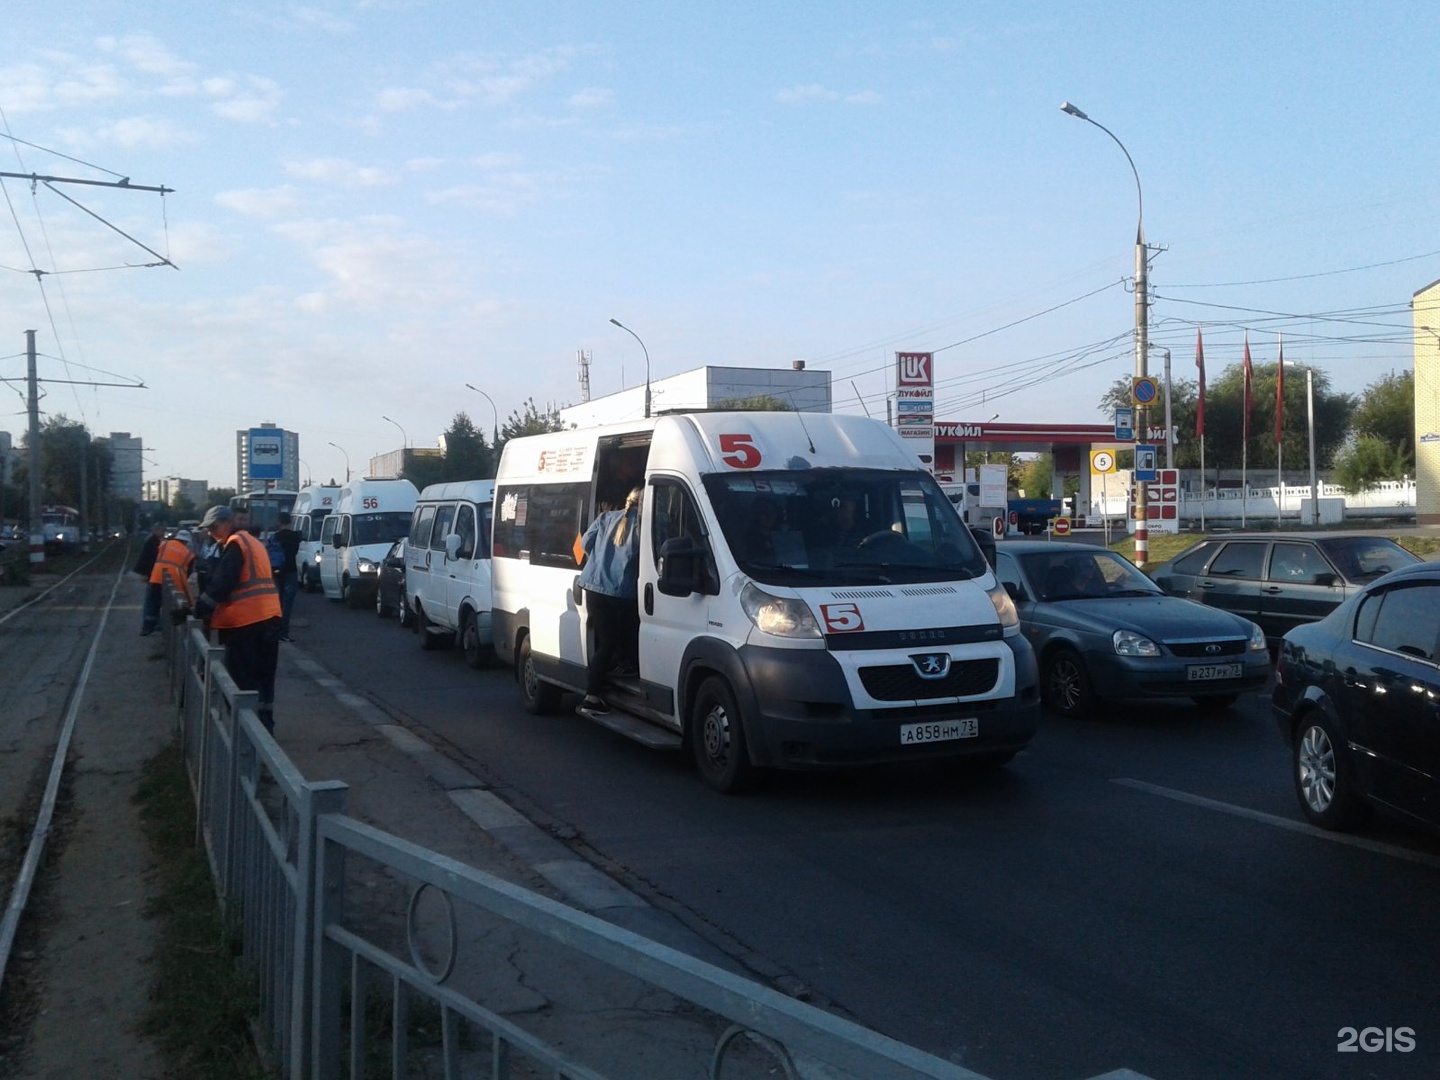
{"x":778,"y":615}
{"x":1004,"y":610}
{"x":365,"y":566}
{"x":1257,"y":640}
{"x":1129,"y":643}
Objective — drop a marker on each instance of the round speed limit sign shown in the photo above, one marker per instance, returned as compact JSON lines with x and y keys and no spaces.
{"x":1102,"y":461}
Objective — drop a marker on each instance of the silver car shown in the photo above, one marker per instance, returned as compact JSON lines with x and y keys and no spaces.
{"x":1103,"y":630}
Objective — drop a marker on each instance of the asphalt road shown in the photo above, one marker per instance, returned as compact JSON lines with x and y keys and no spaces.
{"x":1137,"y":891}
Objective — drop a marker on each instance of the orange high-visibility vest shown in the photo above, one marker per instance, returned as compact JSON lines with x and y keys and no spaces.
{"x":174,"y":561}
{"x":254,"y":598}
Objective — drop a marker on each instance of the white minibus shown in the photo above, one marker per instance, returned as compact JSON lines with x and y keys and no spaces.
{"x":867,"y":628}
{"x":314,"y":503}
{"x":447,"y":567}
{"x":369,"y":516}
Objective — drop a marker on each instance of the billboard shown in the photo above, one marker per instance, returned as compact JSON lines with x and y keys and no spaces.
{"x":266,"y":454}
{"x":915,"y":403}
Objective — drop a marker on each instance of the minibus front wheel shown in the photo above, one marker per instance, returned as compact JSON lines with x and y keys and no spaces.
{"x":717,"y":739}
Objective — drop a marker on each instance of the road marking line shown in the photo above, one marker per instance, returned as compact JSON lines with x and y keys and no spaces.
{"x":1375,"y":846}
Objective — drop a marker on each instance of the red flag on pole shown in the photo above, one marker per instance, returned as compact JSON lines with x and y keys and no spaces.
{"x":1280,"y":396}
{"x":1249,"y":375}
{"x":1200,"y":404}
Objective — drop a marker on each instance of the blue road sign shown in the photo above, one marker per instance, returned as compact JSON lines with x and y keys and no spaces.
{"x":1147,"y":462}
{"x":1144,"y":390}
{"x":1124,"y":425}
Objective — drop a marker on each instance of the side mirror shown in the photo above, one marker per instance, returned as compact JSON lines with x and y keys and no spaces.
{"x":1013,"y":590}
{"x":452,"y":546}
{"x":1327,"y":578}
{"x":682,"y":566}
{"x":337,"y":541}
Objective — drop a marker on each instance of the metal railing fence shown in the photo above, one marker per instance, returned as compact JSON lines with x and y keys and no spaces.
{"x":279,"y":847}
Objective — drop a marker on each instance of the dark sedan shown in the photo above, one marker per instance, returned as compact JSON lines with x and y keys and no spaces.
{"x":1357,"y":699}
{"x":1280,"y":580}
{"x":1102,"y":629}
{"x":390,"y":596}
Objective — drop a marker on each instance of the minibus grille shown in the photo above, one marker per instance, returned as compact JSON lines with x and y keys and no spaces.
{"x":901,"y":682}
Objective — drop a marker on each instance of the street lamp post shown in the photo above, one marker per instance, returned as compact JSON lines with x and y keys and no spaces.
{"x":347,"y":460}
{"x":646,"y":351}
{"x":1142,"y":337}
{"x":495,"y":436}
{"x":1310,"y":419}
{"x":404,"y":439}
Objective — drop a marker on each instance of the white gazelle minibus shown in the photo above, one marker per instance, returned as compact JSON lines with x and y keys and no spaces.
{"x":865,"y":626}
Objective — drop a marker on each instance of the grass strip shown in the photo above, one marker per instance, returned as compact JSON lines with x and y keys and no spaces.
{"x":201,"y":1002}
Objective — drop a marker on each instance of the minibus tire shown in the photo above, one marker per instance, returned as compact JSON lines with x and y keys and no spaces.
{"x":477,"y":653}
{"x":349,"y":595}
{"x":428,"y":640}
{"x":540,"y":698}
{"x":717,"y":739}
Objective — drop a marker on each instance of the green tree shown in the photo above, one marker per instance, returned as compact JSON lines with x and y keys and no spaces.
{"x":467,"y":457}
{"x":1387,"y":412}
{"x":218,"y":497}
{"x":529,"y":421}
{"x":1225,"y":427}
{"x":754,"y":403}
{"x":1368,"y":459}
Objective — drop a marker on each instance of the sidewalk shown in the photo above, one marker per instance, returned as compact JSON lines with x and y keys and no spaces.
{"x":95,"y":937}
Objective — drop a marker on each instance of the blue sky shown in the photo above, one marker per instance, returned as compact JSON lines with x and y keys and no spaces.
{"x":378,"y":202}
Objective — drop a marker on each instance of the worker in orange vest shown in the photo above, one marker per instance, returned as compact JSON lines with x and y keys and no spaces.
{"x":173,"y":562}
{"x":242,"y":605}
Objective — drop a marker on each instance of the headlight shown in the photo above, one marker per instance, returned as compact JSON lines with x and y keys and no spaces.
{"x":1129,"y":643}
{"x":1004,"y":609}
{"x":1257,"y":639}
{"x":365,"y":566}
{"x":778,"y":615}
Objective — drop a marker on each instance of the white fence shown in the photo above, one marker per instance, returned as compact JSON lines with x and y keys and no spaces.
{"x":1258,"y":505}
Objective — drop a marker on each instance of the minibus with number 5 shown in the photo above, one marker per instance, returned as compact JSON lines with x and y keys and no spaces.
{"x":808,"y":596}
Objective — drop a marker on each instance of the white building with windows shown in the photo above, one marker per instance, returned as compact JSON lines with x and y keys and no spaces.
{"x":709,"y":387}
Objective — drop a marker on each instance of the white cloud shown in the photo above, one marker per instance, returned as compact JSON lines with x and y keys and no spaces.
{"x":91,"y":83}
{"x":592,"y":98}
{"x":261,"y":202}
{"x":145,"y":53}
{"x":372,"y":262}
{"x":803,"y":95}
{"x":863,"y":97}
{"x":145,"y":131}
{"x":253,"y":102}
{"x":341,"y":172}
{"x":403,"y":98}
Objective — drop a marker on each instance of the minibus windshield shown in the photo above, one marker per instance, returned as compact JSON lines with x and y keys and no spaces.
{"x":379,"y":528}
{"x":843,"y":527}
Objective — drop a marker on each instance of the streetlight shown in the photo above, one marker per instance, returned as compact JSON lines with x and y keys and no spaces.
{"x":1142,"y":334}
{"x":646,"y":351}
{"x":495,"y":437}
{"x":347,"y":460}
{"x":404,"y":439}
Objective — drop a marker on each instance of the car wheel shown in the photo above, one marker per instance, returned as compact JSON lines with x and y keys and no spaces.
{"x":349,"y":594}
{"x":538,"y":696}
{"x":1215,"y":702}
{"x":477,"y":653}
{"x":1323,"y":779}
{"x":381,"y":608}
{"x":717,"y":739}
{"x":1065,"y":684}
{"x":407,"y":616}
{"x":428,"y":641}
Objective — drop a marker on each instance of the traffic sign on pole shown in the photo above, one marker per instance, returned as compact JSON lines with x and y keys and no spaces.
{"x":1147,"y":461}
{"x":1102,"y":461}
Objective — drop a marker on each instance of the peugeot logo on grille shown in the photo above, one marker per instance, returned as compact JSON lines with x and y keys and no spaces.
{"x":1212,"y":648}
{"x":931,"y":665}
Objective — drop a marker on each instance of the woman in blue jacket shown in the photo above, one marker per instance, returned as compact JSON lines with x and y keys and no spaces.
{"x":609,"y":572}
